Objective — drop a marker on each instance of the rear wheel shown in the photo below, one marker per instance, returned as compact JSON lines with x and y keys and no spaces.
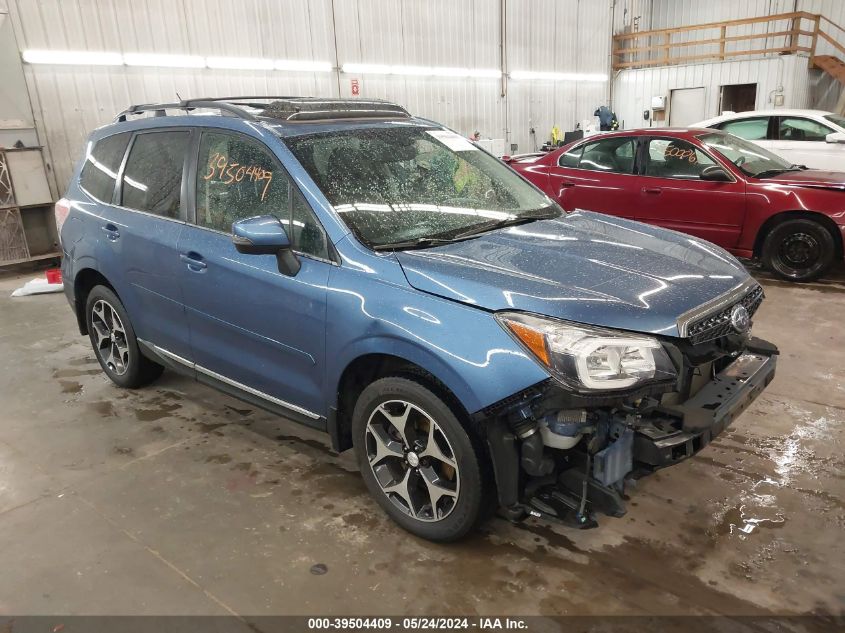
{"x":417,"y":460}
{"x":114,"y":342}
{"x":799,"y":250}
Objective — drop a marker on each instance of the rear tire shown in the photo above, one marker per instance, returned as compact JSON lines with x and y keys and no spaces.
{"x":114,"y":341}
{"x":418,"y":461}
{"x":799,"y":250}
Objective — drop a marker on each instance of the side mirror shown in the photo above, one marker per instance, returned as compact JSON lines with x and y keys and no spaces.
{"x":715,"y":173}
{"x":835,"y":137}
{"x":265,"y":235}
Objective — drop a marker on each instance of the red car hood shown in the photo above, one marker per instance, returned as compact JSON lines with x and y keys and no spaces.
{"x":815,"y":178}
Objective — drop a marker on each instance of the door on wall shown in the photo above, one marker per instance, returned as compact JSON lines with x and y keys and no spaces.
{"x":738,"y":98}
{"x":686,"y":106}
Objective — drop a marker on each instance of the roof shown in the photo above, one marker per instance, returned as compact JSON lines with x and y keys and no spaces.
{"x":727,"y":116}
{"x":276,"y":110}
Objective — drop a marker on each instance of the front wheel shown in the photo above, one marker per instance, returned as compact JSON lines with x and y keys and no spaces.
{"x":417,"y":460}
{"x":799,"y":250}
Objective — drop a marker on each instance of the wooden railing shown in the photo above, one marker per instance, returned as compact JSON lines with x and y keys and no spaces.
{"x":827,"y":22}
{"x":785,"y":33}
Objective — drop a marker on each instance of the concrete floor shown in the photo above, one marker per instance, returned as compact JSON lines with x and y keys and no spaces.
{"x":178,"y":500}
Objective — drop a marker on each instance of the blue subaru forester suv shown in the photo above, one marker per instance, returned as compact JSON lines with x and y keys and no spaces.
{"x":379,"y":277}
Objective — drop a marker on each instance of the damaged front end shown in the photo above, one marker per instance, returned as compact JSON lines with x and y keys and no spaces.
{"x":563,"y":449}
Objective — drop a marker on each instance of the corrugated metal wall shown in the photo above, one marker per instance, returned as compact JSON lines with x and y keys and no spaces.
{"x":801,"y":88}
{"x":542,"y":35}
{"x":633,"y":89}
{"x":548,"y":35}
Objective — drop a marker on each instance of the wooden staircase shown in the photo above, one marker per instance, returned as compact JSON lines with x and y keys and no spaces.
{"x":833,"y":66}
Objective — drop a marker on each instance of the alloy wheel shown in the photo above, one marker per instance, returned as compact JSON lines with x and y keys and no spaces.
{"x":110,"y":337}
{"x":412,"y":460}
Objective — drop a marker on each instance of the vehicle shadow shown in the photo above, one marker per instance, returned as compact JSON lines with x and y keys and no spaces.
{"x":834,"y":281}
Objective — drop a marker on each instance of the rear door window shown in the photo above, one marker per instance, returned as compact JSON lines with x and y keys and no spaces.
{"x":152,"y":180}
{"x":102,"y":162}
{"x":754,"y":129}
{"x":615,"y":155}
{"x":572,"y":157}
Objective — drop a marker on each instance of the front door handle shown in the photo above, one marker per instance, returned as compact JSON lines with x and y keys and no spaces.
{"x":194,"y":261}
{"x":652,"y":190}
{"x":566,"y":183}
{"x":111,"y":231}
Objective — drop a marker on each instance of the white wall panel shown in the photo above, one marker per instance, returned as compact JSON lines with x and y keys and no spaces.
{"x":542,"y":35}
{"x":559,"y":36}
{"x":633,"y":89}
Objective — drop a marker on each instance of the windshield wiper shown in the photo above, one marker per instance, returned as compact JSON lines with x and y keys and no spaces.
{"x":420,"y":242}
{"x":766,"y":173}
{"x":500,"y":224}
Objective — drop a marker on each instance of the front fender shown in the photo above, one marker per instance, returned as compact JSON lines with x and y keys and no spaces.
{"x":463,"y":346}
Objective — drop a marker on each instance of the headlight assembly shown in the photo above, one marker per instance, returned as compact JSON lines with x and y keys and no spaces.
{"x":590,"y":359}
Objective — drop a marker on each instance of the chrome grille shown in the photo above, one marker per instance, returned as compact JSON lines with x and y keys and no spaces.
{"x":718,"y":324}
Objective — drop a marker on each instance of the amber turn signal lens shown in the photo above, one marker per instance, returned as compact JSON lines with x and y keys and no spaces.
{"x":532,"y":339}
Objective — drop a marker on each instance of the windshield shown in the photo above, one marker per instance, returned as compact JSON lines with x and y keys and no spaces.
{"x":752,"y":159}
{"x":393,"y":185}
{"x":835,"y":118}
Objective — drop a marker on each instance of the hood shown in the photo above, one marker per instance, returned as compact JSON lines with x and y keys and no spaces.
{"x":814,"y":178}
{"x":583,"y":267}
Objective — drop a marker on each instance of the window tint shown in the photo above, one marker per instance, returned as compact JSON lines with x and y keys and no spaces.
{"x":749,"y":129}
{"x":571,"y":158}
{"x":240,"y":178}
{"x":102,"y":162}
{"x":152,"y":181}
{"x":797,"y":129}
{"x":611,"y":155}
{"x":674,"y":158}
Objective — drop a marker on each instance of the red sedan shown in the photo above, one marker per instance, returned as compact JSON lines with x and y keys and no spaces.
{"x":706,"y":183}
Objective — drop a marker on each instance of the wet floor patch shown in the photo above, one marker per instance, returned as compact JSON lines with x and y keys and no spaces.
{"x":75,"y":373}
{"x":104,"y":408}
{"x":157,"y":413}
{"x":70,"y":386}
{"x":744,"y":519}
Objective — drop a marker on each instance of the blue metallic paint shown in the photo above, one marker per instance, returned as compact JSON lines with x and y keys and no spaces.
{"x":262,"y":232}
{"x":432,"y":307}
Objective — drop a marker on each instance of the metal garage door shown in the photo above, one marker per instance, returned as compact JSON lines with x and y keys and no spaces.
{"x":686,"y":106}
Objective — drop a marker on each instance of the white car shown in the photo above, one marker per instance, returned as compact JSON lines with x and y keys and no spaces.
{"x":803,"y":137}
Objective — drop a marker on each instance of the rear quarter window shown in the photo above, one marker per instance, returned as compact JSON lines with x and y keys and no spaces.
{"x":102,"y":162}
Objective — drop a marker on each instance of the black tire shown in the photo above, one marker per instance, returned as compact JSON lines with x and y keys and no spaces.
{"x":799,"y":250}
{"x":120,"y":357}
{"x":473,"y":502}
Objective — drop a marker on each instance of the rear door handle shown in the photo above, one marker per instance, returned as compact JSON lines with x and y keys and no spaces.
{"x":654,"y":190}
{"x":111,"y":231}
{"x":566,"y":183}
{"x":194,"y":261}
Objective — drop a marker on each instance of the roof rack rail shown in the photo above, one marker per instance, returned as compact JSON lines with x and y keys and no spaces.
{"x":189,"y":104}
{"x":284,"y":108}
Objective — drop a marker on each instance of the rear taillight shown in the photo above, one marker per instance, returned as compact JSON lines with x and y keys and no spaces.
{"x":61,"y":212}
